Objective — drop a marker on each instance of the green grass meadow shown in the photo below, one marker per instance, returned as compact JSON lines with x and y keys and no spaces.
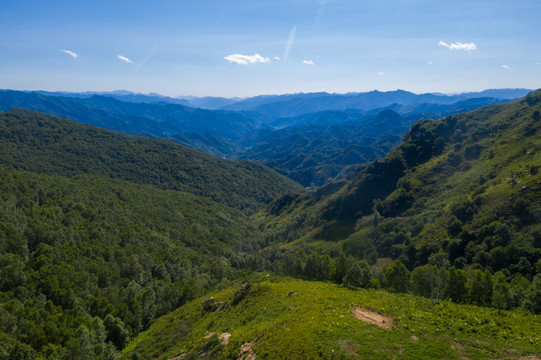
{"x":295,"y":319}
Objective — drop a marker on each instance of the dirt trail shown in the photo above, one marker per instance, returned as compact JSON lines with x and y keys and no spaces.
{"x":372,"y":317}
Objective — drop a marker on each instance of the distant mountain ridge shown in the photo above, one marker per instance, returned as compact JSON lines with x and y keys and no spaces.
{"x":335,"y":101}
{"x":264,"y":128}
{"x":298,"y":104}
{"x":156,"y":119}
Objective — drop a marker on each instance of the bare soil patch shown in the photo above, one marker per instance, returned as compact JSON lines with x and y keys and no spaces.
{"x":224,"y":338}
{"x":246,"y":352}
{"x":372,"y":317}
{"x":348,"y":348}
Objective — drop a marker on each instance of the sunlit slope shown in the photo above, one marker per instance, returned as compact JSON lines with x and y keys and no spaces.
{"x":294,"y":319}
{"x":468,"y":185}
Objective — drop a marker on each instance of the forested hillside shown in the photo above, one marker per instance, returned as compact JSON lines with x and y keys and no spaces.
{"x":313,"y":154}
{"x":88,"y":262}
{"x":50,"y":145}
{"x":460,"y":195}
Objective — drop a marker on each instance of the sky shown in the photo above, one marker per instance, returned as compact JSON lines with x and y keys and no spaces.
{"x":241,"y":48}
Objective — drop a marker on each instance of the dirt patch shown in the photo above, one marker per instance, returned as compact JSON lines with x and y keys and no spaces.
{"x":414,"y":338}
{"x":246,"y":352}
{"x":224,"y":338}
{"x":348,"y":348}
{"x":181,"y":356}
{"x":372,"y":317}
{"x":459,"y":349}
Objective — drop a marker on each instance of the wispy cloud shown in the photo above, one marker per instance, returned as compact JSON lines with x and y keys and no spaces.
{"x":380,"y":73}
{"x":276,"y":58}
{"x":430,"y":63}
{"x":123,"y":58}
{"x":289,"y":42}
{"x":71,"y":53}
{"x":246,"y":59}
{"x":505,"y":66}
{"x":308,"y":62}
{"x":459,"y":46}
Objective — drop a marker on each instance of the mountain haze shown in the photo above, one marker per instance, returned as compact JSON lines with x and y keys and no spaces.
{"x":247,"y":134}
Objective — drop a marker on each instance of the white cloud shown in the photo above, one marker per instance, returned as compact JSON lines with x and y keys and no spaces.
{"x":538,"y":63}
{"x":505,"y":66}
{"x":276,"y":58}
{"x":430,"y":63}
{"x":380,"y":73}
{"x":246,"y":59}
{"x":123,"y":58}
{"x":71,"y":53}
{"x":459,"y":46}
{"x":308,"y":62}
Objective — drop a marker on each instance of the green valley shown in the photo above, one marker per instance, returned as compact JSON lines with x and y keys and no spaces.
{"x":142,"y":248}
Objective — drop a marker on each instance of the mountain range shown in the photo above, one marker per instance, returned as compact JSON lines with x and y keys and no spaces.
{"x":438,"y":242}
{"x":245,"y":132}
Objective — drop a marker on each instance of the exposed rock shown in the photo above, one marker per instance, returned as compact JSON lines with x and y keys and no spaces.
{"x":224,"y":338}
{"x":246,"y":352}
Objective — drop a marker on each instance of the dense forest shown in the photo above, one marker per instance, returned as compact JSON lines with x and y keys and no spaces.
{"x":101,"y":234}
{"x":87,"y":262}
{"x":50,"y":145}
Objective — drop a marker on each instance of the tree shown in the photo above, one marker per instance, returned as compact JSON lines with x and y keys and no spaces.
{"x":423,"y":279}
{"x":361,"y":247}
{"x":481,"y":288}
{"x":318,"y":267}
{"x":532,"y":300}
{"x":358,"y":275}
{"x":476,"y":294}
{"x":488,"y":288}
{"x":429,"y":281}
{"x":457,"y":289}
{"x":500,"y":292}
{"x":397,"y":277}
{"x":116,"y":331}
{"x":517,"y":290}
{"x":340,"y":268}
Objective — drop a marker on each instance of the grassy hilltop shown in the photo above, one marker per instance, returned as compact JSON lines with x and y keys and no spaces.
{"x":281,"y":318}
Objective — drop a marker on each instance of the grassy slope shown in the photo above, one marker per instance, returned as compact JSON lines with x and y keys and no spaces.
{"x":316,"y":322}
{"x":51,"y":145}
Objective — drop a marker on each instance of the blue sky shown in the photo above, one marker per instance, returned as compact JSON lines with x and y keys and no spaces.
{"x":252,"y":47}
